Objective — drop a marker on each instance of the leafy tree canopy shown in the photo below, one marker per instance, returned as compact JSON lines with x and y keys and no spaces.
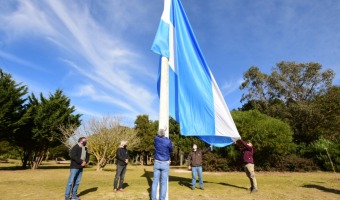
{"x":12,"y":99}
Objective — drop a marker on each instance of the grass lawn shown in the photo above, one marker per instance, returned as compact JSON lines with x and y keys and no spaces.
{"x":49,"y":181}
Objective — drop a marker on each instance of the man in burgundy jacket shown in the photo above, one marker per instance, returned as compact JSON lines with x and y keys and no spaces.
{"x":248,"y":160}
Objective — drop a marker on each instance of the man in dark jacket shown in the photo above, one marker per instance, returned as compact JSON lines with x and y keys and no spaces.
{"x":122,"y":157}
{"x":79,"y":159}
{"x":248,"y":160}
{"x":195,"y":164}
{"x":163,"y":148}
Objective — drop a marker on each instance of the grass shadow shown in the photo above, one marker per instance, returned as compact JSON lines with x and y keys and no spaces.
{"x":322,"y":188}
{"x":125,"y":185}
{"x":235,"y":186}
{"x":82,"y":193}
{"x":148,"y":175}
{"x":54,"y":167}
{"x":12,"y":168}
{"x":182,"y":181}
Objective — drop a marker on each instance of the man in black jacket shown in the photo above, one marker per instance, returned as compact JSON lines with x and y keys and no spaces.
{"x":122,"y":157}
{"x":79,"y":159}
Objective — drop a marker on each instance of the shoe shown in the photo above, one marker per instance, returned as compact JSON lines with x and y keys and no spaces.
{"x":121,"y":190}
{"x":250,"y":188}
{"x":115,"y":190}
{"x":67,"y":198}
{"x":192,"y":188}
{"x":202,"y":188}
{"x":74,"y":197}
{"x":254,"y":190}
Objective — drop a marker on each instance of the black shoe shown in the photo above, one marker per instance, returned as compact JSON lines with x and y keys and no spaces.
{"x":202,"y":188}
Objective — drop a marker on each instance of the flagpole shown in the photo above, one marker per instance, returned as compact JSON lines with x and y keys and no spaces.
{"x":164,"y":106}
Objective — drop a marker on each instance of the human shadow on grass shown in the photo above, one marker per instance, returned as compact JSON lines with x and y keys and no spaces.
{"x":182,"y":181}
{"x":322,"y":188}
{"x":125,"y":185}
{"x":82,"y":193}
{"x":148,"y":175}
{"x":235,"y":186}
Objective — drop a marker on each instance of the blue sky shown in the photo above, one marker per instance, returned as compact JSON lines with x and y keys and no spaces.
{"x":98,"y":52}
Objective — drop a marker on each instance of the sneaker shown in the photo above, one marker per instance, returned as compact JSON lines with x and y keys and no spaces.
{"x":192,"y":188}
{"x":202,"y":188}
{"x":114,"y":189}
{"x":121,"y":190}
{"x":75,"y":198}
{"x":67,"y":198}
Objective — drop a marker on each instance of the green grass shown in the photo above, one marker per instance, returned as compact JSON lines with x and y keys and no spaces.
{"x":49,"y":181}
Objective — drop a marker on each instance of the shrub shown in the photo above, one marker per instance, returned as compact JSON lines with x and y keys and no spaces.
{"x":212,"y":162}
{"x":295,"y":163}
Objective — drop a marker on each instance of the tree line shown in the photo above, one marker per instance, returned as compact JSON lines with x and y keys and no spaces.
{"x":291,"y":116}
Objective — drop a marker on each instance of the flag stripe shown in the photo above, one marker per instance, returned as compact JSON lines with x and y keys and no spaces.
{"x":195,"y":100}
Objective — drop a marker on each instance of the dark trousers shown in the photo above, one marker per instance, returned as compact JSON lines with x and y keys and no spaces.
{"x":120,"y":174}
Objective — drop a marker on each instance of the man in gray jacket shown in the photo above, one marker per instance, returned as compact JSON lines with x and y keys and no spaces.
{"x":195,"y":164}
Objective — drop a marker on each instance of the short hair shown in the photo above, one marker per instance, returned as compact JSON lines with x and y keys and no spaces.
{"x":161,"y":133}
{"x":123,"y":142}
{"x":81,"y":138}
{"x":194,"y":146}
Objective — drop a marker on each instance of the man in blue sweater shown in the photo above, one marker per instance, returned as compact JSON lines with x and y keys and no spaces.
{"x":163,"y":148}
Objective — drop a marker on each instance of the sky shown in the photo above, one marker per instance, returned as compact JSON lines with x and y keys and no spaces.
{"x":98,"y":52}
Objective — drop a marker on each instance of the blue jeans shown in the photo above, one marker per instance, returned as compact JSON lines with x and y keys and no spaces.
{"x":120,"y":174}
{"x":160,"y":172}
{"x":194,"y":172}
{"x":73,"y":181}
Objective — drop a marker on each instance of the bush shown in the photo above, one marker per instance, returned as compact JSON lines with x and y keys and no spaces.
{"x":8,"y":151}
{"x":271,"y":138}
{"x":60,"y":151}
{"x":295,"y":163}
{"x":212,"y":162}
{"x":322,"y":152}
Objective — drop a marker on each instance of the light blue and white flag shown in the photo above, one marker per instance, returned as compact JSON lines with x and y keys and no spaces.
{"x":195,"y":100}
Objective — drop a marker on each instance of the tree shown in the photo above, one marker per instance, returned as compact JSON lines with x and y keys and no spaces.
{"x":103,"y":136}
{"x":271,"y":138}
{"x":327,"y":114}
{"x":146,"y":131}
{"x":12,"y":99}
{"x":326,"y":154}
{"x":42,"y":121}
{"x":182,"y":144}
{"x":289,"y":81}
{"x":288,"y":93}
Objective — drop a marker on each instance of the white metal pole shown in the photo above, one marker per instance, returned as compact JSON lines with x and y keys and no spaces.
{"x":164,"y":106}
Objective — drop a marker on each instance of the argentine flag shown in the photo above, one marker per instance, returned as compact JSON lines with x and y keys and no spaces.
{"x":195,"y":100}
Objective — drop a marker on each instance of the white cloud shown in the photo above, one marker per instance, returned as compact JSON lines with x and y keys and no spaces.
{"x":230,"y":86}
{"x":99,"y":55}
